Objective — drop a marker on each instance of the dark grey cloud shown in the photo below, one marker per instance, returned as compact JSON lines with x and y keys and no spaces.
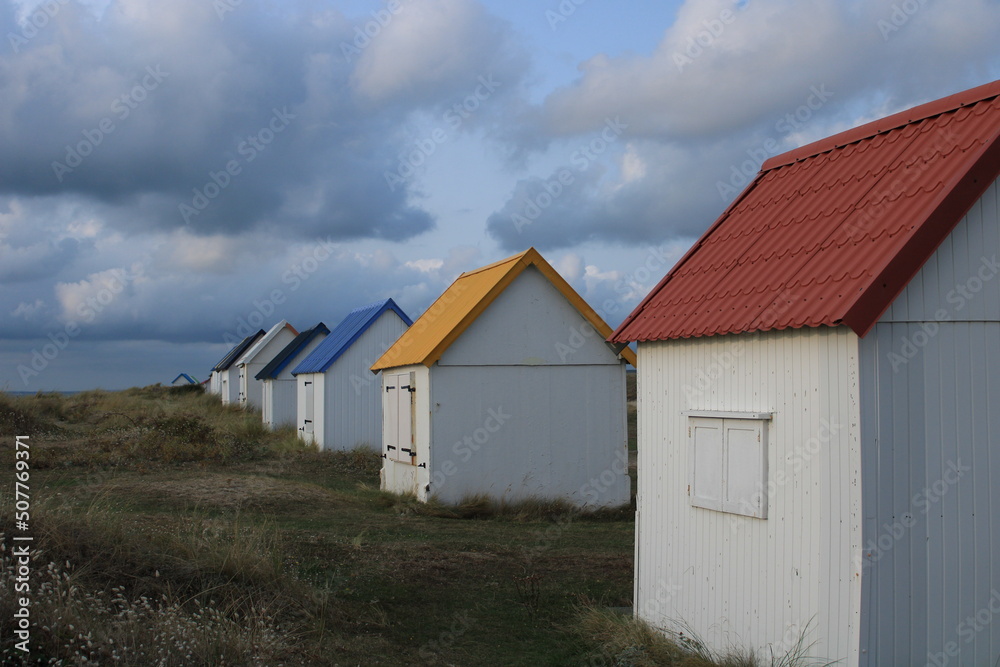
{"x":176,"y":116}
{"x":637,"y":193}
{"x":37,"y":261}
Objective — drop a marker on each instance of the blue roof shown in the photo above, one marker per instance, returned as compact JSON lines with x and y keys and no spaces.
{"x":237,"y":351}
{"x":187,"y":377}
{"x":348,"y":331}
{"x":287,"y":355}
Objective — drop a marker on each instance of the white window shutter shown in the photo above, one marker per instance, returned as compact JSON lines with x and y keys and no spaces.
{"x":706,"y":463}
{"x":745,"y":468}
{"x":390,"y":414}
{"x":404,"y":416}
{"x":310,"y":417}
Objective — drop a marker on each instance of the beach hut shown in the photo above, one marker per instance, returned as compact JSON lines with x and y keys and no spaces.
{"x":253,"y":361}
{"x":505,"y":387}
{"x":819,"y":432}
{"x":182,"y":380}
{"x":225,"y":380}
{"x":339,"y":406}
{"x":279,"y":385}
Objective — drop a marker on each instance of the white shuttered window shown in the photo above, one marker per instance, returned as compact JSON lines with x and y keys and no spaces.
{"x":729,"y":464}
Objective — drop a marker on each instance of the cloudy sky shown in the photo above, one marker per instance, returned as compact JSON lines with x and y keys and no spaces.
{"x":172,"y":173}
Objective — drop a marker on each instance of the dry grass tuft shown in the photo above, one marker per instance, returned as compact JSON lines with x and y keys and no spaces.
{"x":622,"y":641}
{"x":484,"y":507}
{"x":141,"y":426}
{"x":199,"y":591}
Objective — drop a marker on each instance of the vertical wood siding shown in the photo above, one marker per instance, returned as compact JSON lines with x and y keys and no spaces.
{"x":530,"y":431}
{"x":280,"y":402}
{"x":352,"y":403}
{"x":281,"y":399}
{"x":931,"y":531}
{"x":737,"y":580}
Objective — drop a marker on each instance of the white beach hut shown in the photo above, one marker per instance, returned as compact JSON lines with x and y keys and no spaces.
{"x":225,"y":379}
{"x":251,"y":390}
{"x":819,"y":409}
{"x":506,"y":388}
{"x":279,"y":385}
{"x":339,"y":406}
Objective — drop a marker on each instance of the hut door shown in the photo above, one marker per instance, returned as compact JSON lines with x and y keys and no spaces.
{"x":399,"y":415}
{"x":307,"y":423}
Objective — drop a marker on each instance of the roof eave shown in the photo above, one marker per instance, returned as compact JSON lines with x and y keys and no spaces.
{"x":621,"y":335}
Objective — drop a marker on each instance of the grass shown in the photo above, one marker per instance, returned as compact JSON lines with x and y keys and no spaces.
{"x":620,"y":640}
{"x":169,"y":526}
{"x":172,"y":530}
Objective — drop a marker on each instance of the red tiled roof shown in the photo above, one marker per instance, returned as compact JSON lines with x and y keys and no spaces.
{"x":830,"y":233}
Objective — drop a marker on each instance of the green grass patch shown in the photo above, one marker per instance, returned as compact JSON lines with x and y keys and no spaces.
{"x":170,"y":529}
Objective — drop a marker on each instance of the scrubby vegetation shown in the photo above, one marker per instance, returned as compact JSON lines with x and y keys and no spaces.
{"x":170,"y":530}
{"x":620,"y":640}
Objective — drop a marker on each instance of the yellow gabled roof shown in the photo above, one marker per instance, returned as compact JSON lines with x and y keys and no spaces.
{"x":471,"y":293}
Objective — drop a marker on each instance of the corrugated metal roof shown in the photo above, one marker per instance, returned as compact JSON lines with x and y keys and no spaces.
{"x":259,"y":346}
{"x":344,"y":335}
{"x":287,"y":355}
{"x":452,"y":313}
{"x":832,"y":232}
{"x":237,"y":351}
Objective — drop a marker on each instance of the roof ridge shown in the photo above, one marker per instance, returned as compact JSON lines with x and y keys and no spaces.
{"x":430,"y":346}
{"x":910,"y":116}
{"x":512,"y":259}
